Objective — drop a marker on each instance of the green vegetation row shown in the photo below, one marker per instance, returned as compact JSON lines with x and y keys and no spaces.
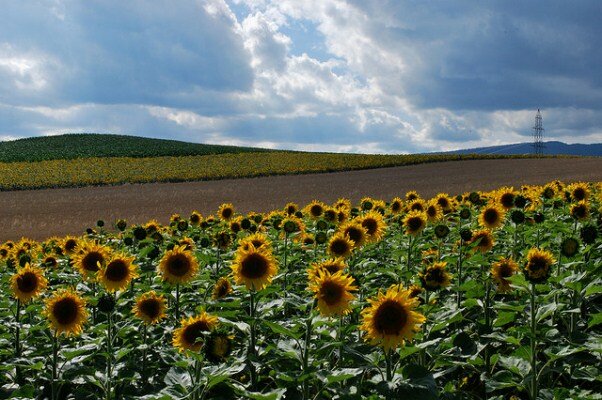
{"x":119,"y":170}
{"x":85,"y":145}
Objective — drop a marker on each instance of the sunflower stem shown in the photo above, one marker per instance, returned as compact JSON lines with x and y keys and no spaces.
{"x":308,"y":327}
{"x":459,"y":290}
{"x":533,"y":345}
{"x":109,"y":355}
{"x":284,"y":284}
{"x":144,"y":335}
{"x":389,"y":365}
{"x":177,"y":305}
{"x":55,"y":352}
{"x":487,"y":324}
{"x":252,"y":339}
{"x":18,"y":330}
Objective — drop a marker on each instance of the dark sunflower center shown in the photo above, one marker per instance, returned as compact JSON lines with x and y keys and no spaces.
{"x":222,"y":290}
{"x":227,"y":213}
{"x":505,"y":271}
{"x":414,"y":223}
{"x":331,"y":292}
{"x":483,"y":240}
{"x":150,"y":307}
{"x":491,"y":216}
{"x":27,"y":282}
{"x":331,"y":268}
{"x":195,"y":219}
{"x":417,"y":207}
{"x":579,"y":211}
{"x":339,"y":247}
{"x":291,"y":210}
{"x":65,"y":311}
{"x":538,"y":263}
{"x":178,"y":265}
{"x":316,"y":210}
{"x":371,"y":225}
{"x":51,"y":261}
{"x":507,"y":200}
{"x":91,"y":260}
{"x":254,"y":266}
{"x":435,"y":275}
{"x":431,"y":211}
{"x":330,"y":215}
{"x":117,"y":271}
{"x":395,"y":207}
{"x":257,"y":243}
{"x":442,"y":201}
{"x":390,"y":318}
{"x":194,"y":331}
{"x":354,"y":234}
{"x":579,"y":194}
{"x":70,"y":245}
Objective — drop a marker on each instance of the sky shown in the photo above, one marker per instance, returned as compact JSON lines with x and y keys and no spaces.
{"x":368,"y":76}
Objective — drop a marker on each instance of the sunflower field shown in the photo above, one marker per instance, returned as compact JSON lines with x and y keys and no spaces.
{"x":483,"y":295}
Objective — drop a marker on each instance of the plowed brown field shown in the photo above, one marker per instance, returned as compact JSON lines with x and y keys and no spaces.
{"x":42,"y":213}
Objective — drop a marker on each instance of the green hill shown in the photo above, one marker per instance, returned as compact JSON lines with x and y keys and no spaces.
{"x":85,"y":145}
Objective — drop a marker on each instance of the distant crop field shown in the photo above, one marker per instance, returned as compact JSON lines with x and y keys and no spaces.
{"x":86,"y":145}
{"x":119,"y":170}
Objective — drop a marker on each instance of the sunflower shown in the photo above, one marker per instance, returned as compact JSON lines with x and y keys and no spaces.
{"x":505,"y":197}
{"x":69,"y":244}
{"x":444,"y":201}
{"x":315,"y":209}
{"x":483,"y":239}
{"x":342,"y":204}
{"x":330,"y":214}
{"x":331,"y":266}
{"x":569,"y":247}
{"x":192,"y":330}
{"x":538,"y":265}
{"x":255,"y":268}
{"x":356,"y":232}
{"x":152,"y":226}
{"x":412,"y":195}
{"x":375,"y":225}
{"x":195,"y":218}
{"x":257,"y":240}
{"x":225,"y":211}
{"x":433,"y":211}
{"x":492,"y":216}
{"x":118,"y":273}
{"x":501,"y":270}
{"x":66,"y":312}
{"x":396,"y":205}
{"x":178,"y":266}
{"x":221,"y":289}
{"x":416,"y":205}
{"x":291,"y":208}
{"x":580,"y":211}
{"x":292,"y":224}
{"x":28,"y":283}
{"x":340,"y":246}
{"x":90,"y":258}
{"x":150,"y":308}
{"x":333,"y":293}
{"x":414,"y":222}
{"x":218,"y":346}
{"x":390,"y":318}
{"x":579,"y":191}
{"x":435,"y":276}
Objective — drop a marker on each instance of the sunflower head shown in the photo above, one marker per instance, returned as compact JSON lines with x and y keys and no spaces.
{"x":218,"y":346}
{"x":389,"y":319}
{"x":178,"y":266}
{"x":569,"y":247}
{"x":374,"y":224}
{"x":69,"y":245}
{"x":257,"y":240}
{"x":502,"y":270}
{"x":580,"y":211}
{"x":412,"y":195}
{"x":416,"y":205}
{"x":483,"y":240}
{"x":315,"y":209}
{"x":355,"y":231}
{"x":444,"y":201}
{"x":333,"y":292}
{"x":255,"y":268}
{"x":433,"y":211}
{"x":340,"y":246}
{"x":505,"y":197}
{"x":66,"y":312}
{"x":292,"y":224}
{"x":192,"y":331}
{"x":396,"y":205}
{"x":537,"y":268}
{"x":414,"y":222}
{"x":117,"y":273}
{"x":150,"y":308}
{"x":492,"y":216}
{"x":579,"y":191}
{"x":435,"y":276}
{"x":90,"y":258}
{"x":291,"y":208}
{"x":221,"y":289}
{"x":195,"y":218}
{"x":225,"y":211}
{"x":28,"y":283}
